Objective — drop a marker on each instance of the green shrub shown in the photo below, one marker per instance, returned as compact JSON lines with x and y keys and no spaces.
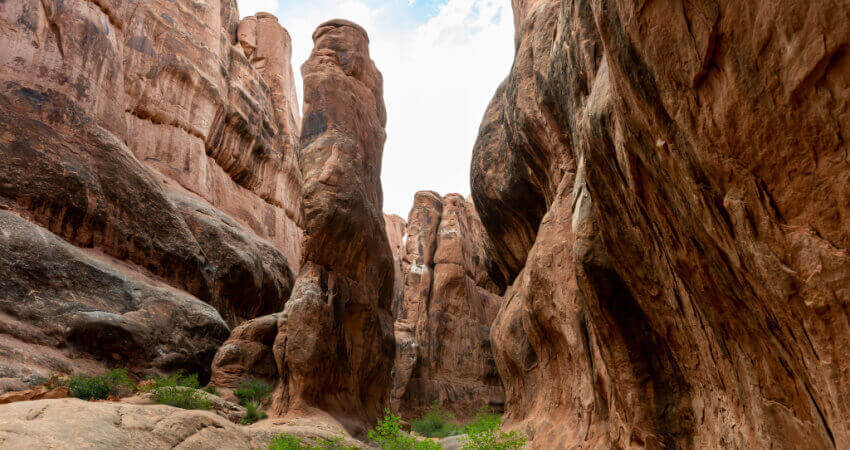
{"x":252,"y":391}
{"x":483,"y":420}
{"x":286,"y":442}
{"x":388,"y":436}
{"x":178,"y":390}
{"x":290,"y":442}
{"x":116,"y":382}
{"x":436,"y":423}
{"x":177,"y":379}
{"x":483,"y":434}
{"x":253,"y":413}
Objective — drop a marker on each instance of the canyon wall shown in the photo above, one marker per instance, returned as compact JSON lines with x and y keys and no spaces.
{"x":443,"y":316}
{"x":149,"y":187}
{"x":665,"y":188}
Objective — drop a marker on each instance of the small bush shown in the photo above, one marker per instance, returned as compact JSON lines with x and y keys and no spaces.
{"x":436,"y":423}
{"x":116,"y":382}
{"x":290,"y":442}
{"x":178,"y":390}
{"x":253,"y":413}
{"x":252,"y":391}
{"x":177,"y":379}
{"x":483,"y":420}
{"x":388,"y":436}
{"x":286,"y":442}
{"x":483,"y":434}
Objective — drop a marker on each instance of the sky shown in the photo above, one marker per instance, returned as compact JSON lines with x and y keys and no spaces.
{"x":442,"y":60}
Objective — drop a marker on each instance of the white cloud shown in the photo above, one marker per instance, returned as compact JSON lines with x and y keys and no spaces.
{"x":251,"y":7}
{"x":438,"y":79}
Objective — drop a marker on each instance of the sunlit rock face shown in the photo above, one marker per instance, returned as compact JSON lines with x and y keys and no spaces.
{"x":442,"y":320}
{"x":149,"y":187}
{"x":665,"y":188}
{"x":334,"y":346}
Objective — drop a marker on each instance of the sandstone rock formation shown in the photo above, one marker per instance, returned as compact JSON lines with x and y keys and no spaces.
{"x":442,"y":323}
{"x":68,"y":423}
{"x":148,"y":172}
{"x":665,"y":188}
{"x":334,"y":345}
{"x":247,"y":354}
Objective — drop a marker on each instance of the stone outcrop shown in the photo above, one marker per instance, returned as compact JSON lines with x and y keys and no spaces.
{"x":149,"y":187}
{"x":442,"y":323}
{"x":247,"y":354}
{"x":334,"y":345}
{"x":665,"y":188}
{"x":71,"y":423}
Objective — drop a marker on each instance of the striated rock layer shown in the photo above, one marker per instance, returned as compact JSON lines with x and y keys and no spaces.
{"x":442,"y":322}
{"x":148,"y":172}
{"x":334,"y":344}
{"x":665,"y":186}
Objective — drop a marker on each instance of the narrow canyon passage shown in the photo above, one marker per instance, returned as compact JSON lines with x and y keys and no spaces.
{"x":653,"y":254}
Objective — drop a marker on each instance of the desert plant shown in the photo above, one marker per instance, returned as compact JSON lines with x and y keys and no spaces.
{"x":436,"y":423}
{"x":115,"y":382}
{"x":482,"y":433}
{"x":483,"y":420}
{"x":253,"y":413}
{"x":290,"y":442}
{"x":286,"y":442}
{"x":178,"y":390}
{"x":252,"y":391}
{"x":388,"y":435}
{"x":176,"y":379}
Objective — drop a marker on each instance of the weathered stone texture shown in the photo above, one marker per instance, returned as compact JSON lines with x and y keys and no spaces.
{"x":665,"y":187}
{"x":442,"y":322}
{"x":146,"y":164}
{"x":334,"y":345}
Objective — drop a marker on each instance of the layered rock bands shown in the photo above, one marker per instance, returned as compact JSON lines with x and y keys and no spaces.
{"x":665,"y":185}
{"x":149,"y":184}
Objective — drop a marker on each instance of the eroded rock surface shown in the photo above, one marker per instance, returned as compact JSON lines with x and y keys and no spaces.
{"x":442,"y":323}
{"x":148,"y":172}
{"x":665,"y":187}
{"x":334,"y":345}
{"x":68,"y":423}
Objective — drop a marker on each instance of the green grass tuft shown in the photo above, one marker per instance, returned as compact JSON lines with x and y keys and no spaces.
{"x":178,"y":390}
{"x":436,"y":423}
{"x":253,"y":413}
{"x":116,"y":382}
{"x":482,"y":433}
{"x":389,"y":436}
{"x":290,"y":442}
{"x":252,"y":391}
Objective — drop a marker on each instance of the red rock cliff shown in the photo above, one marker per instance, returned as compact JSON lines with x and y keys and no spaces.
{"x":442,"y":320}
{"x":147,"y":163}
{"x":665,"y":187}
